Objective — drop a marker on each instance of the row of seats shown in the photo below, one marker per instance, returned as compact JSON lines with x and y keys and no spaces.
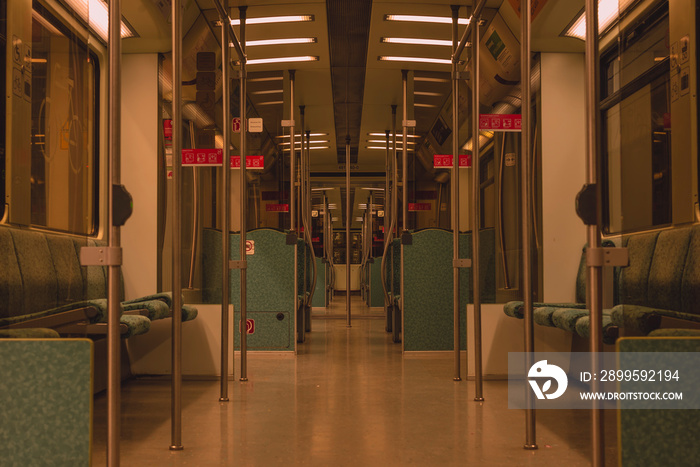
{"x":45,"y":292}
{"x":659,"y":289}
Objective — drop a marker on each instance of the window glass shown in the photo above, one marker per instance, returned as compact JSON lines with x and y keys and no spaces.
{"x":636,"y":127}
{"x":64,"y":160}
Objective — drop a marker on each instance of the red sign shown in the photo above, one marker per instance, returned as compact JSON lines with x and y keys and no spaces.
{"x":236,"y":124}
{"x":277,"y":207}
{"x":498,"y":122}
{"x":249,"y":326}
{"x":168,"y":129}
{"x":214,"y":157}
{"x":419,"y":206}
{"x":202,"y":157}
{"x":251,"y":162}
{"x":444,"y":161}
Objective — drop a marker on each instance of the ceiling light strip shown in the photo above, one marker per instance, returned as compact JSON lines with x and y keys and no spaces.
{"x":274,"y":19}
{"x":425,"y":19}
{"x":96,"y":14}
{"x":416,"y":41}
{"x":300,"y":58}
{"x":393,"y":58}
{"x":283,"y":41}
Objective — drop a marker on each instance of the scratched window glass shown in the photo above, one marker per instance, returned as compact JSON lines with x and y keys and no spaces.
{"x":64,"y":160}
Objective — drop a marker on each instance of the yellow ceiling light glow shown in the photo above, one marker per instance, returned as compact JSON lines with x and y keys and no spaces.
{"x":425,"y":19}
{"x":274,"y":19}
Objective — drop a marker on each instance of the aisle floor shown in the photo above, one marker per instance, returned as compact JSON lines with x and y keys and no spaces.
{"x":349,"y":398}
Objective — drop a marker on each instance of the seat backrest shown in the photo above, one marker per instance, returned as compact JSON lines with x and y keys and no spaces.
{"x":39,"y":283}
{"x":633,"y":282}
{"x":11,"y":297}
{"x":690,"y":283}
{"x":71,"y":286}
{"x":666,"y":269}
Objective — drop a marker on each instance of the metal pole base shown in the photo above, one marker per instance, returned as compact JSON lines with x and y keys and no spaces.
{"x":481,"y":399}
{"x":349,"y":326}
{"x":243,"y":379}
{"x":223,"y":399}
{"x":457,"y":378}
{"x":530,"y":447}
{"x":176,"y":448}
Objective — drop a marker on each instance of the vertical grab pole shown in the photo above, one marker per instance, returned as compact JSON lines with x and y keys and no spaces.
{"x":176,"y":398}
{"x":244,"y":205}
{"x":310,"y":236}
{"x":395,"y":214}
{"x":526,"y":205}
{"x":476,"y":206}
{"x":455,"y":194}
{"x":225,"y":208}
{"x":594,"y":272}
{"x":292,"y":196}
{"x":404,"y":192}
{"x":348,"y":218}
{"x":114,"y":177}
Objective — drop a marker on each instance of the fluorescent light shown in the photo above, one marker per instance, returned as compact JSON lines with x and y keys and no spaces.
{"x":416,"y":41}
{"x":430,"y":80}
{"x":398,"y":135}
{"x":289,"y":40}
{"x":310,"y":134}
{"x":312,"y":147}
{"x":300,"y":58}
{"x":426,"y":93}
{"x":425,"y":19}
{"x":398,"y":148}
{"x":391,"y":58}
{"x":274,"y":19}
{"x":270,"y":91}
{"x":383,"y":141}
{"x":270,"y":103}
{"x":298,"y":143}
{"x":358,"y":219}
{"x":418,"y":104}
{"x":96,"y":14}
{"x":268,"y":78}
{"x":608,"y":11}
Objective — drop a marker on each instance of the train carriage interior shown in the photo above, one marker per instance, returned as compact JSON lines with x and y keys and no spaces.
{"x":351,"y":232}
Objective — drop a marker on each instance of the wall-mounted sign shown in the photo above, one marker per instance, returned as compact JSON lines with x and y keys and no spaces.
{"x":444,"y":161}
{"x":277,"y":207}
{"x":236,"y":124}
{"x":214,"y":158}
{"x":202,"y":157}
{"x":419,"y":207}
{"x":251,"y":162}
{"x":498,"y":122}
{"x":250,"y":247}
{"x":255,"y":125}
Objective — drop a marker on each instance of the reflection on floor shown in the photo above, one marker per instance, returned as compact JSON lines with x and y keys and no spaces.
{"x":348,"y":398}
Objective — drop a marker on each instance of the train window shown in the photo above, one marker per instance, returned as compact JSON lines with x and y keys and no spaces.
{"x":635,"y":113}
{"x":3,"y":47}
{"x":64,"y":167}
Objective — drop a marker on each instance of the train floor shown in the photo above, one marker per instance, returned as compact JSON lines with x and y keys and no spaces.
{"x":349,"y":398}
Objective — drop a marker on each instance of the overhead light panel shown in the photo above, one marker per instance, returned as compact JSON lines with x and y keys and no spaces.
{"x":398,"y":148}
{"x":428,"y":79}
{"x":298,"y":143}
{"x":274,"y":19}
{"x":301,"y":58}
{"x":269,"y":91}
{"x":393,"y":58}
{"x":270,"y":103}
{"x":608,"y":11}
{"x":384,"y":141}
{"x":416,"y":41}
{"x":298,"y":135}
{"x":427,"y":93}
{"x":312,"y":147}
{"x":425,"y":19}
{"x":96,"y":14}
{"x":265,"y":79}
{"x":285,"y":41}
{"x":418,"y":104}
{"x":398,"y":135}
